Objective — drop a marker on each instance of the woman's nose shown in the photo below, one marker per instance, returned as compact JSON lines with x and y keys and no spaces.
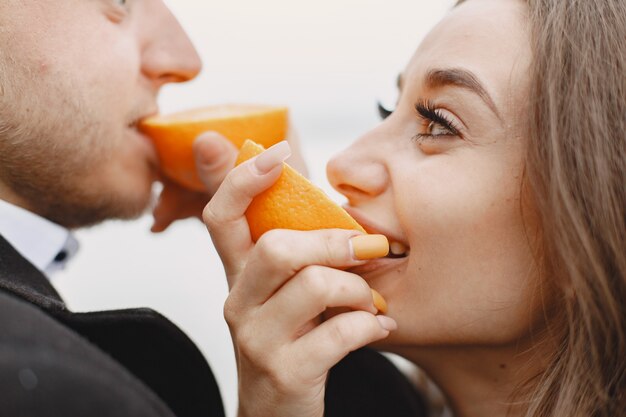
{"x":358,"y":173}
{"x":167,"y":54}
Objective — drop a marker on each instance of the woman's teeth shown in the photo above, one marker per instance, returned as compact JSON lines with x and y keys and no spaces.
{"x":398,"y":250}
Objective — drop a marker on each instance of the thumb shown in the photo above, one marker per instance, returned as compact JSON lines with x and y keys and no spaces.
{"x":214,"y":156}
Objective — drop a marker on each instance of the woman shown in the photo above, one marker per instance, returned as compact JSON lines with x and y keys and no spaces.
{"x":499,"y":180}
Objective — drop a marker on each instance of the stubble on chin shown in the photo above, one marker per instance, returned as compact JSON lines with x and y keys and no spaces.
{"x":66,"y":191}
{"x":54,"y":158}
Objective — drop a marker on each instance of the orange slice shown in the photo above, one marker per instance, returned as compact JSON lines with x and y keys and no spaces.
{"x":293,"y":202}
{"x":173,"y":135}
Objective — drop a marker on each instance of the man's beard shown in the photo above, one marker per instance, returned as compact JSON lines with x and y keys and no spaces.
{"x":55,"y":187}
{"x":52,"y":164}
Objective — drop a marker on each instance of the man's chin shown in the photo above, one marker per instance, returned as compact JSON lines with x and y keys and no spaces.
{"x":87,"y":212}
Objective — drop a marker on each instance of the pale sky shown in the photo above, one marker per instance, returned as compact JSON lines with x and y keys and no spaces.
{"x":329,"y":61}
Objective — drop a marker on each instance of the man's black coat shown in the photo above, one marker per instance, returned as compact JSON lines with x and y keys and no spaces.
{"x":57,"y":363}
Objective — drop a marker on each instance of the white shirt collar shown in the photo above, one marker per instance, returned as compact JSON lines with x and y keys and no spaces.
{"x":44,"y":244}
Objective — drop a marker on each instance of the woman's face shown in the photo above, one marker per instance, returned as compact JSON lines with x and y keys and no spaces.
{"x":442,"y":176}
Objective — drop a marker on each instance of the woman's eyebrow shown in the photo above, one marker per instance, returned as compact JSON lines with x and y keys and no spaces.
{"x":463,"y":78}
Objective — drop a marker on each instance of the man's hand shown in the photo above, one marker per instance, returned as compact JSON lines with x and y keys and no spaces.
{"x":215,"y":156}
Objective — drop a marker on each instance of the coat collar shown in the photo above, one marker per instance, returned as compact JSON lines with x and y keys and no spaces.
{"x":20,"y":277}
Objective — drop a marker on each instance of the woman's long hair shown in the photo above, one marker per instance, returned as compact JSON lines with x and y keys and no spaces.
{"x":576,"y":174}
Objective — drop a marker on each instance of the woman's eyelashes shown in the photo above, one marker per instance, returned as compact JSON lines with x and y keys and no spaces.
{"x":435,"y":124}
{"x":383,"y":111}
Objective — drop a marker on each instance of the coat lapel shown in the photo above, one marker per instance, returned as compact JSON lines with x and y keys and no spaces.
{"x":20,"y":277}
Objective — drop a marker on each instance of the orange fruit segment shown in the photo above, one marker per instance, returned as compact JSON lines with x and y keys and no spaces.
{"x":173,"y":135}
{"x":292,"y":202}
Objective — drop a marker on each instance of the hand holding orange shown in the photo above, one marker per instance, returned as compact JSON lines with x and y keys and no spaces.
{"x":173,"y":135}
{"x":293,"y":202}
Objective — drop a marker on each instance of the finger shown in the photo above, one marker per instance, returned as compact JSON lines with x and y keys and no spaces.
{"x":323,"y":347}
{"x":311,"y":292}
{"x":214,"y":157}
{"x":281,"y":254}
{"x":224,"y":216}
{"x":176,"y":202}
{"x":161,"y":211}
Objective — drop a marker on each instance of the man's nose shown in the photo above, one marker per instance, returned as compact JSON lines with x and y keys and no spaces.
{"x":167,"y":52}
{"x":358,"y":173}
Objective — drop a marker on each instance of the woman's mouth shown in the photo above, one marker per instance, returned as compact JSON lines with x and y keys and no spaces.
{"x":398,"y":250}
{"x":398,"y":253}
{"x":379,"y":266}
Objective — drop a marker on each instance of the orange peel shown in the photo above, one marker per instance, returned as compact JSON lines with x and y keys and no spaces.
{"x":292,"y":202}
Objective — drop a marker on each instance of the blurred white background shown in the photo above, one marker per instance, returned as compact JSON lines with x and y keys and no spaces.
{"x":329,"y":61}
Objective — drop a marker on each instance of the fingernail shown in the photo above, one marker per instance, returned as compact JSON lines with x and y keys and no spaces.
{"x":387,"y":323}
{"x":379,"y":302}
{"x":369,"y":246}
{"x":272,"y":157}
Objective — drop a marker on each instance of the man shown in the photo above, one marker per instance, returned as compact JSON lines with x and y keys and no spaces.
{"x":75,"y":77}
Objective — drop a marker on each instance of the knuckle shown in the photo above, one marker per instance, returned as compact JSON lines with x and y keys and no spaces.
{"x":276,"y":245}
{"x":353,"y":330}
{"x":231,"y":311}
{"x":369,"y":324}
{"x":313,"y":279}
{"x":209,"y":216}
{"x":335,"y":244}
{"x":249,"y":346}
{"x":256,"y":353}
{"x":236,"y":180}
{"x":245,"y":342}
{"x":281,"y":376}
{"x":283,"y":382}
{"x":340,"y":333}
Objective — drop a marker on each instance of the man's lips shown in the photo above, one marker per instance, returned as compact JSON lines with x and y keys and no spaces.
{"x":136,"y":118}
{"x":133,"y":125}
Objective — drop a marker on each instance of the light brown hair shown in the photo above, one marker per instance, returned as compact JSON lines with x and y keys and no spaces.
{"x":575,"y":173}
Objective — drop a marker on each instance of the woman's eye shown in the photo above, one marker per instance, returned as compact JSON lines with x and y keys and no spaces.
{"x":435,"y":122}
{"x":121,"y":2}
{"x":435,"y":129}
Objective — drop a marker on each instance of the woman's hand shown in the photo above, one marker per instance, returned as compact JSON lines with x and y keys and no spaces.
{"x":279,"y":288}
